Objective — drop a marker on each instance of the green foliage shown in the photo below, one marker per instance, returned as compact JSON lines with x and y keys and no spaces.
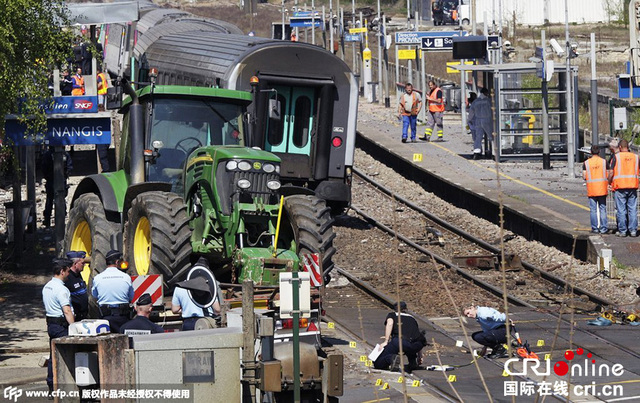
{"x":32,"y":43}
{"x":532,"y":81}
{"x":633,"y":119}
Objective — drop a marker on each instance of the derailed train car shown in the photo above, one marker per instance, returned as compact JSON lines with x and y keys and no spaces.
{"x":305,"y":108}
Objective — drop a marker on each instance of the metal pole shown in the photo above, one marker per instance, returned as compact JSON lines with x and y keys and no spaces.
{"x":18,"y":229}
{"x":387,"y":98}
{"x":546,"y":155}
{"x":397,"y":73}
{"x":474,"y":25}
{"x":295,"y":283}
{"x":313,"y":22}
{"x":408,"y":14}
{"x":295,"y":10}
{"x":423,"y":83}
{"x":248,"y":339}
{"x":379,"y":50}
{"x":570,"y":143}
{"x":594,"y":93}
{"x":463,"y":96}
{"x":353,"y":25}
{"x":324,"y":36}
{"x":331,"y":26}
{"x":282,"y":36}
{"x":59,"y":191}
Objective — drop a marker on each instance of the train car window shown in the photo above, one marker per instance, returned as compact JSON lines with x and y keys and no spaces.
{"x":275,"y":131}
{"x":301,"y":124}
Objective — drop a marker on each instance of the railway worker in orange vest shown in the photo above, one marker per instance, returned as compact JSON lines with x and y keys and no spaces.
{"x":435,"y":113}
{"x":623,"y":176}
{"x":595,"y":173}
{"x":78,"y":83}
{"x":408,"y":109}
{"x":103,"y":84}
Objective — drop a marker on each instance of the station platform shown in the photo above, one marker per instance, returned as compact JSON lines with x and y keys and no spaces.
{"x":550,"y":206}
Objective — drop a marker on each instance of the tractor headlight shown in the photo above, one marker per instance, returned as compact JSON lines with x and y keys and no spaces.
{"x":232,"y":165}
{"x":244,"y":184}
{"x":244,"y":165}
{"x":273,"y":185}
{"x":268,"y":168}
{"x":277,"y":168}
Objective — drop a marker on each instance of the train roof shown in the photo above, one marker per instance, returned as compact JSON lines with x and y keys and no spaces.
{"x":207,"y":56}
{"x":160,"y":22}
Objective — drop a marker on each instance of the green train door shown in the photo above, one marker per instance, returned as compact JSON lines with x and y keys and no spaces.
{"x":291,"y":134}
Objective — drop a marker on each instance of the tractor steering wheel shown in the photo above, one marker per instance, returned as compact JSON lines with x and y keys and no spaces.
{"x":180,"y":146}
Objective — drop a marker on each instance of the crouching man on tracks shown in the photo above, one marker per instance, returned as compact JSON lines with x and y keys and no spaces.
{"x":494,"y":329}
{"x":57,"y":305}
{"x":412,"y":341}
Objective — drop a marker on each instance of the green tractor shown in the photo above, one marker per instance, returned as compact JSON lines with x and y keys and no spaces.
{"x":186,"y":186}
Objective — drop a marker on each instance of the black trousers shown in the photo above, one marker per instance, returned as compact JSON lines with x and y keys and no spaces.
{"x":189,"y":323}
{"x":55,"y":331}
{"x":491,"y":338}
{"x":115,"y":321}
{"x":409,"y":348}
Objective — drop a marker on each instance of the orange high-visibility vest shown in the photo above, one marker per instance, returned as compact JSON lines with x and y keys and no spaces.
{"x":102,"y":84}
{"x":78,"y":81}
{"x":433,"y":107}
{"x":596,"y":176}
{"x":625,"y":172}
{"x":414,"y":104}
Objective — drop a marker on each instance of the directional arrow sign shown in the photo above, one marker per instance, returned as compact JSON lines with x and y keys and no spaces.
{"x":414,"y":37}
{"x":443,"y":43}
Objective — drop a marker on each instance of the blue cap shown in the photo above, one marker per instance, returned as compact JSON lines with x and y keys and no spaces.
{"x":73,"y":254}
{"x":145,"y":299}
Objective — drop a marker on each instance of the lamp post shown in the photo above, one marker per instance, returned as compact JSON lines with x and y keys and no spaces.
{"x":570,"y":144}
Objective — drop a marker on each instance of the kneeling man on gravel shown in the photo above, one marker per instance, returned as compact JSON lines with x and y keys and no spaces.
{"x":494,"y":329}
{"x":412,"y":341}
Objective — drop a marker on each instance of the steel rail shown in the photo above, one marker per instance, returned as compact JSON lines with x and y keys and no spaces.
{"x":458,"y":231}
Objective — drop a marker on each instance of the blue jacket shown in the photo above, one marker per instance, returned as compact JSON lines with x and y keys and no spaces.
{"x":490,"y":318}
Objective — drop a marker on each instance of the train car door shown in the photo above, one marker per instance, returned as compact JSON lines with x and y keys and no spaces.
{"x":290,"y":136}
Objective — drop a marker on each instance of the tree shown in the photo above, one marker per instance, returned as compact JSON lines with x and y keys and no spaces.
{"x":32,"y":43}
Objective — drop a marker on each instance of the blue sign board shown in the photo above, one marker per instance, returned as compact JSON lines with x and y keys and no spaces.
{"x":62,"y":132}
{"x":352,"y":38}
{"x":305,"y":22}
{"x":74,"y":104}
{"x":414,"y":38}
{"x":444,"y":43}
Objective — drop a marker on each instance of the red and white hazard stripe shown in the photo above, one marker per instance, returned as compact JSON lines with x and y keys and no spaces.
{"x":311,"y":264}
{"x":151,"y":284}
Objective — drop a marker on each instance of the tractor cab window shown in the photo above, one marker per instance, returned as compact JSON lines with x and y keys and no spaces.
{"x":179,"y":126}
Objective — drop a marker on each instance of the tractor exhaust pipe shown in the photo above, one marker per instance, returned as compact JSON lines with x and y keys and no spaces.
{"x":136,"y":127}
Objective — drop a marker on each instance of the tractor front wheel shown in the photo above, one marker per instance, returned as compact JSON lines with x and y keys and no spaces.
{"x":311,"y":225}
{"x":157,"y":237}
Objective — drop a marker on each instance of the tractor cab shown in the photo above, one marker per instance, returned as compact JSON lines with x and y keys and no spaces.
{"x":177,"y":121}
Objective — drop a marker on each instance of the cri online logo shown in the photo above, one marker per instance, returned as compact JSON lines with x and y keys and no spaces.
{"x":83,"y":104}
{"x":574,"y":365}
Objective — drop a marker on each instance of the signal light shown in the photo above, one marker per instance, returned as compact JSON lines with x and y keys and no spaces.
{"x":336,"y":141}
{"x":288,"y":323}
{"x":124,"y":265}
{"x":254,"y":80}
{"x":153,"y":72}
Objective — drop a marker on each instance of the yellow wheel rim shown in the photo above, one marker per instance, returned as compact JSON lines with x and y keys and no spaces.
{"x":81,"y":241}
{"x":142,"y":246}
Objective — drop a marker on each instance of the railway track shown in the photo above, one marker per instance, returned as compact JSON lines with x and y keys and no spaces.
{"x":478,"y":278}
{"x":527,"y":283}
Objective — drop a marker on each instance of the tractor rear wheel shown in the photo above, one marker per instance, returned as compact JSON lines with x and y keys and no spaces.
{"x":157,"y":238}
{"x":88,"y":230}
{"x":311,"y":226}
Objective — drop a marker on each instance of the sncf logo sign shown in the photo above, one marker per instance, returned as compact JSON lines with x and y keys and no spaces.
{"x":83,"y":104}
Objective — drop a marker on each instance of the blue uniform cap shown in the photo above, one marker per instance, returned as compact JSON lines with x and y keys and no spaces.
{"x":145,"y":299}
{"x":76,"y":254}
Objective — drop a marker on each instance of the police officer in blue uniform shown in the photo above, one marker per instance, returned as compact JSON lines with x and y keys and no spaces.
{"x":183,"y":304}
{"x":57,"y":304}
{"x":141,"y":323}
{"x":113,"y":290}
{"x":76,"y":285}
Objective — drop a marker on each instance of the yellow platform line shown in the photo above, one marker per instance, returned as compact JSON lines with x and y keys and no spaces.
{"x":545,"y":192}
